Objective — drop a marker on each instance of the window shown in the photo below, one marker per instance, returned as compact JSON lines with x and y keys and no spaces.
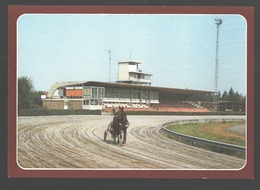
{"x":86,"y":92}
{"x":86,"y":102}
{"x":101,"y":92}
{"x":94,"y":92}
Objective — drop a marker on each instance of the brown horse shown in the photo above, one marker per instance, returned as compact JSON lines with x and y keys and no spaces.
{"x":114,"y":130}
{"x":123,"y":123}
{"x":118,"y":126}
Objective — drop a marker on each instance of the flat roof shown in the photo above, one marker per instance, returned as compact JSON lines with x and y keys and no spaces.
{"x":130,"y":61}
{"x":162,"y":90}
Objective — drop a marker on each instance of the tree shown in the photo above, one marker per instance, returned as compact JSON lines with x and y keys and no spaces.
{"x":231,"y":95}
{"x":36,"y":99}
{"x":219,"y":96}
{"x":25,"y":92}
{"x":224,"y":96}
{"x":242,"y":98}
{"x":236,"y":97}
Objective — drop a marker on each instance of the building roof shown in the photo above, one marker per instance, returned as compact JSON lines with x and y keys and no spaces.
{"x":59,"y":85}
{"x":162,"y":90}
{"x":130,"y":61}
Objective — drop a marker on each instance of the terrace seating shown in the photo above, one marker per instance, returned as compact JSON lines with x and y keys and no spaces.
{"x":194,"y":104}
{"x":172,"y":107}
{"x":181,"y":107}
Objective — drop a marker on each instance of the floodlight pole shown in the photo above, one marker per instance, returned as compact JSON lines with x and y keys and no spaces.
{"x":109,"y":51}
{"x":218,"y":22}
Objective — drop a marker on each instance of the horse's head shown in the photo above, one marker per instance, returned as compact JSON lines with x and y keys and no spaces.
{"x":121,"y":113}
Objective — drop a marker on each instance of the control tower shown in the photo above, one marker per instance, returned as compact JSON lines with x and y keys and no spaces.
{"x":129,"y":73}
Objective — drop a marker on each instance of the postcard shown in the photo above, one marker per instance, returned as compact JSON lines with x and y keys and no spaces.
{"x":131,"y":92}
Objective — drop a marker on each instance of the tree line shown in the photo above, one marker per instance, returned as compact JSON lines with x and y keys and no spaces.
{"x":231,"y":95}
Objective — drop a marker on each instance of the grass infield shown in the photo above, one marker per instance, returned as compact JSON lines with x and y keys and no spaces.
{"x":216,"y":131}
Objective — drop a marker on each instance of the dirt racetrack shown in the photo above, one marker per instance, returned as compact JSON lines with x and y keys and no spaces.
{"x":77,"y":142}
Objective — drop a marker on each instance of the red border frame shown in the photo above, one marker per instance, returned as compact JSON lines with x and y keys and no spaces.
{"x":14,"y":171}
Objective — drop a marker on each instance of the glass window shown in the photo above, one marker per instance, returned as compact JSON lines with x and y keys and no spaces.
{"x":94,"y":92}
{"x":101,"y":92}
{"x":86,"y":92}
{"x":86,"y":102}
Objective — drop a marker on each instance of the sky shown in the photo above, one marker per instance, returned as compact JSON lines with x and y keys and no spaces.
{"x":179,"y":50}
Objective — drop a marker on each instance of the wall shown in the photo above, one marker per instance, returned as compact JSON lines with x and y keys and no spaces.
{"x":123,"y":72}
{"x":92,"y":107}
{"x":59,"y":104}
{"x":75,"y":104}
{"x":53,"y":104}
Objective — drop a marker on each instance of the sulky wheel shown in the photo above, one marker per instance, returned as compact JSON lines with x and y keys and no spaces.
{"x":105,"y":136}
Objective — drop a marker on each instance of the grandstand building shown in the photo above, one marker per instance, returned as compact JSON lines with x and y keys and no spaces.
{"x":132,"y":90}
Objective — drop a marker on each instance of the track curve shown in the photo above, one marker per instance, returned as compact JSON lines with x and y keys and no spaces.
{"x":76,"y":142}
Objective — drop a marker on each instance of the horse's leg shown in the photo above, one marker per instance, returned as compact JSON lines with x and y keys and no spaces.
{"x":114,"y":135}
{"x":120,"y":135}
{"x":124,"y":136}
{"x":105,"y":135}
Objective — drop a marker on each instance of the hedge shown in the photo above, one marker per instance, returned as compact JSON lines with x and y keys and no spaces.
{"x":39,"y":112}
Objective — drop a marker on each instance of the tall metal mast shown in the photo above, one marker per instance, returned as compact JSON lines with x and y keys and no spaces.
{"x":109,"y":51}
{"x":218,"y":22}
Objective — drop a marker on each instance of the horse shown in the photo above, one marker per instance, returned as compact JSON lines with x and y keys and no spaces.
{"x":114,"y":133}
{"x":118,"y":126}
{"x":123,"y":123}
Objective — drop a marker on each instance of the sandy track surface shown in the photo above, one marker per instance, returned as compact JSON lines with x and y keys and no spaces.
{"x":77,"y":142}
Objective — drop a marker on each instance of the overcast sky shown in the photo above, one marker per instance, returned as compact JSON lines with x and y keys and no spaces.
{"x":179,"y":50}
